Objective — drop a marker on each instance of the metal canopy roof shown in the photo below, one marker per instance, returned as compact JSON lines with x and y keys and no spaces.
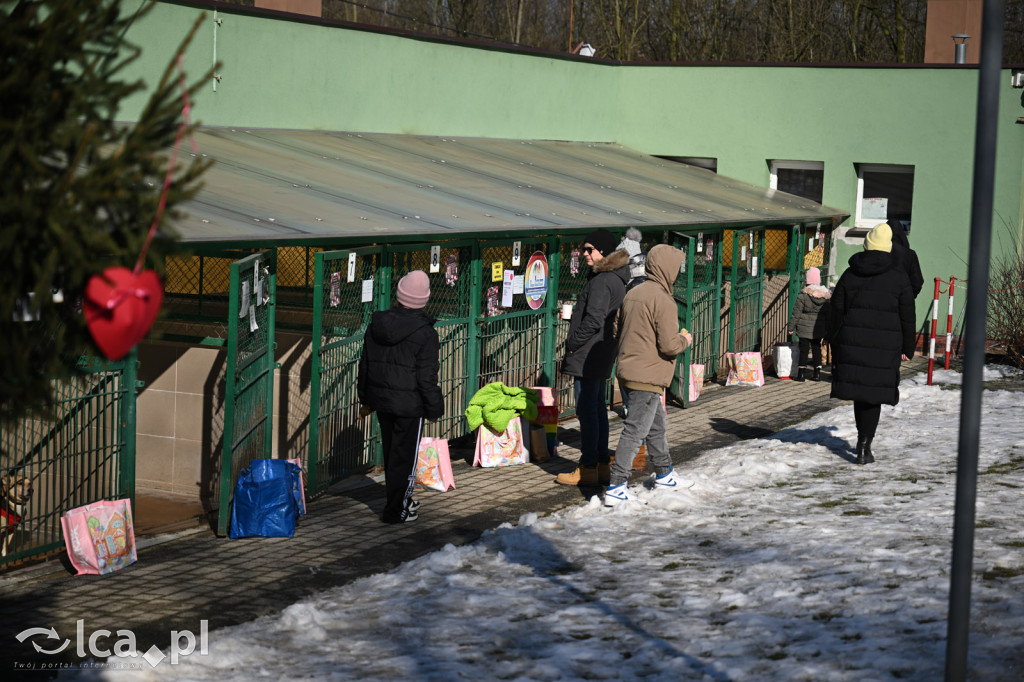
{"x":295,"y":186}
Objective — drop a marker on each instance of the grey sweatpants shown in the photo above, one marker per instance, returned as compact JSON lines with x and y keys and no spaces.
{"x":645,"y":420}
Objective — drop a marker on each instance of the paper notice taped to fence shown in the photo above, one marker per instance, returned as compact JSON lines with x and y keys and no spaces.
{"x":244,"y":308}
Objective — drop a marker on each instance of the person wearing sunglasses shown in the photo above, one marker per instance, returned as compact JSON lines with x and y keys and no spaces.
{"x":590,"y":349}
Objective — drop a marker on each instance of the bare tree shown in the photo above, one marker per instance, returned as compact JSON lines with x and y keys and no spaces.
{"x":799,"y":31}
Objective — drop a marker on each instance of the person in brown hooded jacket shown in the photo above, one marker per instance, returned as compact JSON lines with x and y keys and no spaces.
{"x":649,"y":342}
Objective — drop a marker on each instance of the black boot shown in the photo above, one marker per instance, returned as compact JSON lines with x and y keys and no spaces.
{"x":864,"y":455}
{"x":868,"y":457}
{"x":799,"y":375}
{"x":817,"y":374}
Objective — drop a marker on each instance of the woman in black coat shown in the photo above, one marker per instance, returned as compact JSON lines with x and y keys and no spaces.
{"x":872,"y":329}
{"x":398,"y":377}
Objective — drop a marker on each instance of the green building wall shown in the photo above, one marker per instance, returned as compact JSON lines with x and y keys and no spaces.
{"x":299,"y":74}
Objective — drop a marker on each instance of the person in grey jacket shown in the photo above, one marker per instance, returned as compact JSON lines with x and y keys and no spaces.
{"x":810,"y":322}
{"x":590,"y":353}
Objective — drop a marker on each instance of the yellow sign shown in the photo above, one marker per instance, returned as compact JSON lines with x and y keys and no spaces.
{"x":497,"y":271}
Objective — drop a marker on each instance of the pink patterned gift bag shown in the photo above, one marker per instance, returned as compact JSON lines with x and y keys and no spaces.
{"x":100,"y":537}
{"x":501,"y":449}
{"x":434,"y":465}
{"x":745,"y":369}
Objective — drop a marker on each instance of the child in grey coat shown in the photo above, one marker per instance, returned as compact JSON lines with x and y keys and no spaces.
{"x":810,"y":322}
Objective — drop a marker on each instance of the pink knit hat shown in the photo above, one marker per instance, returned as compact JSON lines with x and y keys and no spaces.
{"x":813,"y":276}
{"x":414,"y":289}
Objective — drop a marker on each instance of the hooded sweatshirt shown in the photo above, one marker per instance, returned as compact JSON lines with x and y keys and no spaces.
{"x":399,"y":366}
{"x":648,"y":325}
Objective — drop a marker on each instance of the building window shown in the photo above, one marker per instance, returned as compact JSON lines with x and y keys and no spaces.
{"x":705,"y":162}
{"x":885,"y":193}
{"x":802,"y":178}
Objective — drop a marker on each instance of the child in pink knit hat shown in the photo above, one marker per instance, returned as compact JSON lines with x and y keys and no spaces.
{"x":398,"y":378}
{"x":810,"y":322}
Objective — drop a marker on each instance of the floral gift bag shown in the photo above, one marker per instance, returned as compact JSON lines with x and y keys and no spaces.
{"x":745,"y":369}
{"x":501,"y":449}
{"x":434,"y":464}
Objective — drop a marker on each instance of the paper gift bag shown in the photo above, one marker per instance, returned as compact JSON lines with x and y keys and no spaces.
{"x":696,"y":381}
{"x":501,"y":449}
{"x":434,"y":465}
{"x":784,"y":357}
{"x":539,"y":445}
{"x":100,"y":537}
{"x":547,"y":396}
{"x":744,"y":369}
{"x":267,"y":499}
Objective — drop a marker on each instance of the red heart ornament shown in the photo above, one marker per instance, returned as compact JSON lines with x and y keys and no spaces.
{"x":120,"y":307}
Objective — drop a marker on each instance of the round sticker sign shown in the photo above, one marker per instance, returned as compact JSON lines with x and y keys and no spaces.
{"x":536,"y":286}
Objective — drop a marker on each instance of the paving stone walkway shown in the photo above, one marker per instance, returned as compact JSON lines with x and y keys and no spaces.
{"x":194,"y":576}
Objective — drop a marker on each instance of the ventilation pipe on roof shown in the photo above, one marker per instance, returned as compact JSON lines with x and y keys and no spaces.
{"x":960,"y":48}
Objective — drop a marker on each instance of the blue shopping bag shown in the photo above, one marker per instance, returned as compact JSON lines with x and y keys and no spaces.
{"x":267,"y":500}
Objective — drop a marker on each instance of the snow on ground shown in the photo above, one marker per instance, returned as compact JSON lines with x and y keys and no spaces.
{"x":784,"y":561}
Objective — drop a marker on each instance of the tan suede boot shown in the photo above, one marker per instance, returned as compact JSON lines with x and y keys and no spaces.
{"x":604,"y":473}
{"x":640,"y":461}
{"x":579,"y":476}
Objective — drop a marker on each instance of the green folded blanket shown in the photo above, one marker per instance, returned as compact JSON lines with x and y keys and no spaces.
{"x":496,"y":404}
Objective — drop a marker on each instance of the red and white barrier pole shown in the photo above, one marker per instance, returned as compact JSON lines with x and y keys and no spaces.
{"x":935,"y":323}
{"x":949,"y":321}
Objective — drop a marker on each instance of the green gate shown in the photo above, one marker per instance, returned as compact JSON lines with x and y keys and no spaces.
{"x":249,"y":389}
{"x":449,"y":266}
{"x":347,"y":288}
{"x":570,"y":271}
{"x":810,"y":247}
{"x":746,"y":285}
{"x":84,"y":452}
{"x":682,"y":291}
{"x":517,"y":342}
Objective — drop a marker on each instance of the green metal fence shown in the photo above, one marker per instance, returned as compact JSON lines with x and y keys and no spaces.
{"x":569,"y":276}
{"x":746,"y":290}
{"x":83,"y":453}
{"x":482,"y":339}
{"x":348,"y":287}
{"x":249,"y":379}
{"x":516,"y":339}
{"x":450,"y":269}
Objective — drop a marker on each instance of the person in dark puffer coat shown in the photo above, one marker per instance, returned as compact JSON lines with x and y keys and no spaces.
{"x":810,"y":322}
{"x":398,"y":377}
{"x":871,"y":330}
{"x":906,"y":259}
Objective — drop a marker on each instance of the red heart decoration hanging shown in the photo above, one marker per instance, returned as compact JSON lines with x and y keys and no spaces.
{"x":120,"y":307}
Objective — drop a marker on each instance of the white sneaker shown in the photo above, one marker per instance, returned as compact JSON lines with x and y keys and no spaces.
{"x":670,"y":481}
{"x":617,"y":494}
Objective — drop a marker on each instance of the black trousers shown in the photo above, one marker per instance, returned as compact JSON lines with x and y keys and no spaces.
{"x":812,"y":347}
{"x":866,"y":415}
{"x":400,"y":438}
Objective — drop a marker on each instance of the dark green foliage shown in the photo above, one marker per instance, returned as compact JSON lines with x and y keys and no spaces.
{"x":78,"y":191}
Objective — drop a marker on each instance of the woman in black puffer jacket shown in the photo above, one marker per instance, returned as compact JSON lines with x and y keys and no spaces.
{"x":872,"y":329}
{"x":398,"y":377}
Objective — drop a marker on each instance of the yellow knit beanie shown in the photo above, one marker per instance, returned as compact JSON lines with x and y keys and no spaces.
{"x":879,"y":238}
